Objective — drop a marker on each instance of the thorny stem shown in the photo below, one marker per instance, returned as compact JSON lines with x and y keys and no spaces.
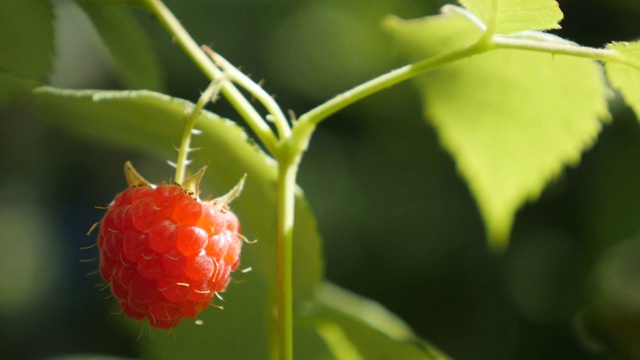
{"x":185,"y":143}
{"x":287,"y":169}
{"x":287,"y":173}
{"x":230,"y":92}
{"x":382,"y":82}
{"x":237,"y":76}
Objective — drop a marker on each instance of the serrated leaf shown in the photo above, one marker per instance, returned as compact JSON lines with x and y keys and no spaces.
{"x":511,"y":16}
{"x":511,"y":119}
{"x":624,"y":77}
{"x":353,"y":327}
{"x":151,"y":122}
{"x":26,"y":37}
{"x":135,"y":60}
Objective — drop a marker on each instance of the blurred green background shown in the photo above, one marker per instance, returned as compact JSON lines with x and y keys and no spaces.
{"x":399,"y":225}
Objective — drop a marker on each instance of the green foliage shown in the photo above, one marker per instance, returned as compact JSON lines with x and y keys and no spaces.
{"x":511,"y":16}
{"x":12,"y":86}
{"x":150,"y":122}
{"x":30,"y":54}
{"x":513,"y":105}
{"x":511,"y":119}
{"x":625,"y":77}
{"x":370,"y":331}
{"x":128,"y":43}
{"x":26,"y":40}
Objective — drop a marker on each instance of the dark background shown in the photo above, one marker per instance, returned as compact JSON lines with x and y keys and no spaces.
{"x":399,"y":224}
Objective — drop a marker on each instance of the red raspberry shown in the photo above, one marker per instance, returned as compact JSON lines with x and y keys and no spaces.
{"x":164,"y":252}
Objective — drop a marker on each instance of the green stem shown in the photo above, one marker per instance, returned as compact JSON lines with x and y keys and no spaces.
{"x":287,"y":172}
{"x":562,"y":48}
{"x":185,"y":143}
{"x":237,"y":76}
{"x":384,"y":81}
{"x":490,"y":28}
{"x":318,"y":114}
{"x":230,"y":92}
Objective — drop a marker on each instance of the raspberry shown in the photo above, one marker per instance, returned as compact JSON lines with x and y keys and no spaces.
{"x":164,"y":252}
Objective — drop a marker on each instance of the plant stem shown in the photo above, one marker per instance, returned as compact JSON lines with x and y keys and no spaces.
{"x":287,"y":172}
{"x":230,"y":92}
{"x":384,"y":81}
{"x":321,"y":112}
{"x":490,"y":26}
{"x":185,"y":143}
{"x":287,"y":169}
{"x":562,"y":48}
{"x":237,"y":76}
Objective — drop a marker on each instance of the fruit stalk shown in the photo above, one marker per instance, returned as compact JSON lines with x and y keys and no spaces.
{"x":185,"y":144}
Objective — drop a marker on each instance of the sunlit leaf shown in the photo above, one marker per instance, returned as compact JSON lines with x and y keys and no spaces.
{"x":152,"y":123}
{"x":512,"y":16}
{"x":511,"y":119}
{"x":351,"y":324}
{"x":134,"y":57}
{"x":624,"y":77}
{"x":25,"y":54}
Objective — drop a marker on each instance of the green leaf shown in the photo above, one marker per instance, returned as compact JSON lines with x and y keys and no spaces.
{"x":12,"y":87}
{"x":151,"y":122}
{"x":26,"y":37}
{"x":625,"y":77}
{"x":330,"y":319}
{"x":353,"y":327}
{"x":511,"y":16}
{"x":128,"y":43}
{"x":511,"y":119}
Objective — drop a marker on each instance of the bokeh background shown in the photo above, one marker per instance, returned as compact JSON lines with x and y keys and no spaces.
{"x":399,"y":225}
